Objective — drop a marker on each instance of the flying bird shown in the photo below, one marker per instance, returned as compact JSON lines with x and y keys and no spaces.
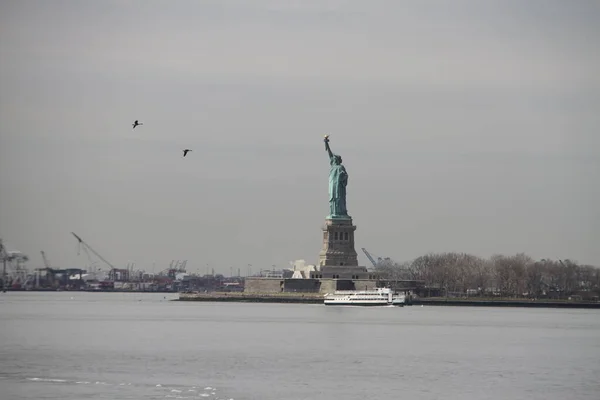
{"x":185,"y":152}
{"x":136,"y":123}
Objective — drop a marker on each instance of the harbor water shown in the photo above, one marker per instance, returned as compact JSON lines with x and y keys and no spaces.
{"x":78,"y":345}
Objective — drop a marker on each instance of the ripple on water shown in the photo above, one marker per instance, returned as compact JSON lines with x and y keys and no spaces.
{"x":46,"y":380}
{"x":175,"y":391}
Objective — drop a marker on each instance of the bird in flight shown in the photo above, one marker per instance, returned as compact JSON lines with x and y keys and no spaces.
{"x":185,"y":152}
{"x":136,"y":123}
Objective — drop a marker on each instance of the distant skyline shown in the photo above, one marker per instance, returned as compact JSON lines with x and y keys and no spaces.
{"x":465,"y":126}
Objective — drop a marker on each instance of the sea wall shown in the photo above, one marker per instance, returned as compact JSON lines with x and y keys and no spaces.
{"x":306,"y":298}
{"x":263,"y":285}
{"x":323,"y":285}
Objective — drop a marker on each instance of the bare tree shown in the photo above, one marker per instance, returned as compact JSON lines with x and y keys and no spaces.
{"x":570,"y":272}
{"x":482,"y":275}
{"x":513,"y":276}
{"x":392,"y":270}
{"x":535,"y":278}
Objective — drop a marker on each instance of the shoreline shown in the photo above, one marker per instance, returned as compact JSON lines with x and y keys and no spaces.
{"x":317,"y":298}
{"x":507,"y":303}
{"x":309,"y":298}
{"x":47,"y":290}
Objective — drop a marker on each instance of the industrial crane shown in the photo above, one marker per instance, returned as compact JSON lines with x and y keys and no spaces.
{"x":46,"y":262}
{"x":87,"y":247}
{"x":15,"y":260}
{"x":381,"y":262}
{"x":370,"y":257}
{"x":174,"y":268}
{"x":178,"y":265}
{"x":47,"y":268}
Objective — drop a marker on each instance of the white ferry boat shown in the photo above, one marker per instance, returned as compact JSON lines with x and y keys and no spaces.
{"x":377,"y":297}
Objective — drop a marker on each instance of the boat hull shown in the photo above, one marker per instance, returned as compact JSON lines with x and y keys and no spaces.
{"x":335,"y":303}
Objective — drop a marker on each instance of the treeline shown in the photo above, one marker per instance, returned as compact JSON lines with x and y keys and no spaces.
{"x":458,"y":274}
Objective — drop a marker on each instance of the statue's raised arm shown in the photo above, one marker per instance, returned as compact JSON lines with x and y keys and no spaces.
{"x":327,"y":148}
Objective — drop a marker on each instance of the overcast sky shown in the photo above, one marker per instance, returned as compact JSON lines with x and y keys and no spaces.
{"x":469,"y":126}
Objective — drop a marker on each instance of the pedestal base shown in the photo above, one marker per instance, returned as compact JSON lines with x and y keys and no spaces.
{"x":338,"y":243}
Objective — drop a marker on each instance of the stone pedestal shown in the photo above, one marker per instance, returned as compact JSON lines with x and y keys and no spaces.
{"x":338,"y":243}
{"x":338,"y":261}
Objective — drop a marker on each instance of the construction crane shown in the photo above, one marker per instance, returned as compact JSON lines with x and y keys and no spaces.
{"x":174,"y":268}
{"x":370,"y":257}
{"x":87,"y":247}
{"x":380,"y":261}
{"x":178,"y":265}
{"x":47,"y":268}
{"x":46,"y":262}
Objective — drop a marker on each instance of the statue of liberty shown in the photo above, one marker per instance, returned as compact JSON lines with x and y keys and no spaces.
{"x":338,"y":179}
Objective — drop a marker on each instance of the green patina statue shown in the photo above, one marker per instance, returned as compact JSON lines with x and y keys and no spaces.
{"x":338,"y":179}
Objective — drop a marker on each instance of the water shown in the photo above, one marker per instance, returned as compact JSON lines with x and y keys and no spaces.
{"x":141,"y":346}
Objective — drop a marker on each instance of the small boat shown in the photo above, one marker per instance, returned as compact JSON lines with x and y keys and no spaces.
{"x":377,"y":297}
